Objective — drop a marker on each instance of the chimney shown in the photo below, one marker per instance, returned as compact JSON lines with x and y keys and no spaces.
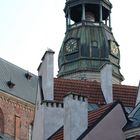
{"x":48,"y":120}
{"x":106,"y":82}
{"x":44,"y":93}
{"x":45,"y":72}
{"x":54,"y":117}
{"x":75,"y":116}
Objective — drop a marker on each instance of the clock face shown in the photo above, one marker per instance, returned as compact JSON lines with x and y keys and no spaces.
{"x":114,"y":48}
{"x":71,"y":46}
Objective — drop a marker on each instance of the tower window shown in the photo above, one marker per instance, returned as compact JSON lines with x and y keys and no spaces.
{"x":90,"y":16}
{"x":94,"y":44}
{"x":94,"y":49}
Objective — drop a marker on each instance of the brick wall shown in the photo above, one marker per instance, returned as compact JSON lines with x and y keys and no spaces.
{"x":13,"y":107}
{"x":1,"y":121}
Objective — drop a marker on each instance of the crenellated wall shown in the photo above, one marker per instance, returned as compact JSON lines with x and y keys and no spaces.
{"x":75,"y":115}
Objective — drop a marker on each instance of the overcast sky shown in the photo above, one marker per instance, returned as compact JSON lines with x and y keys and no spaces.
{"x":29,"y":27}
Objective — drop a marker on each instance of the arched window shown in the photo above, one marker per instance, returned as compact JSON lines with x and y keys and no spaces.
{"x":1,"y":121}
{"x":94,"y":49}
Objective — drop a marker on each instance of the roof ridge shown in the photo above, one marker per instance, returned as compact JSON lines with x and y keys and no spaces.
{"x":16,"y":66}
{"x":124,"y":86}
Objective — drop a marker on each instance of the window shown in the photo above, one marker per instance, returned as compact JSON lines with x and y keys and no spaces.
{"x":17,"y":127}
{"x":1,"y":121}
{"x":30,"y":131}
{"x":94,"y":49}
{"x":94,"y":44}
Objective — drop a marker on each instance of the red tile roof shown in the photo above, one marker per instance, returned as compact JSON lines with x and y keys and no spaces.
{"x":93,"y":116}
{"x":96,"y":114}
{"x":89,"y":89}
{"x":126,"y":94}
{"x":58,"y":135}
{"x":92,"y":89}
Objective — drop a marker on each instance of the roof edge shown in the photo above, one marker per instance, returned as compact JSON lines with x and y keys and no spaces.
{"x":114,"y":104}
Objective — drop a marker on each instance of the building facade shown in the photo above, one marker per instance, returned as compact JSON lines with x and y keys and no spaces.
{"x":86,"y":101}
{"x":17,"y":100}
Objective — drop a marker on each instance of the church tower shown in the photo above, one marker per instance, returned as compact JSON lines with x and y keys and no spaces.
{"x":89,"y":43}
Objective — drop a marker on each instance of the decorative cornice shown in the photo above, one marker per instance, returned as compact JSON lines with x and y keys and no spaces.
{"x":16,"y":102}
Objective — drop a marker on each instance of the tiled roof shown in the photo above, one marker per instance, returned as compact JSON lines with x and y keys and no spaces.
{"x":24,"y":87}
{"x":126,"y":94}
{"x":58,"y":135}
{"x":89,"y":89}
{"x":96,"y":114}
{"x":93,"y":116}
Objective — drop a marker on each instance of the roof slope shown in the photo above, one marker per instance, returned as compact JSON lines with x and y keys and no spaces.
{"x":58,"y":135}
{"x":93,"y":117}
{"x":134,"y":118}
{"x":95,"y":114}
{"x":126,"y":94}
{"x":89,"y":89}
{"x":24,"y":88}
{"x":92,"y":89}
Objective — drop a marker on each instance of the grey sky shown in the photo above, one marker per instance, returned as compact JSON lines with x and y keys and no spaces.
{"x":29,"y":27}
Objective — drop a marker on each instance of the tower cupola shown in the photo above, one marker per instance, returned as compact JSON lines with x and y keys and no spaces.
{"x":87,"y":10}
{"x":89,"y":42}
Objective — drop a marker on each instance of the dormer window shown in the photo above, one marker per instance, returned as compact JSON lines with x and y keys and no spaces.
{"x":10,"y":84}
{"x":28,"y":76}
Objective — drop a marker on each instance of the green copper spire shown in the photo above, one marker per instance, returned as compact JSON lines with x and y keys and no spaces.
{"x":89,"y":42}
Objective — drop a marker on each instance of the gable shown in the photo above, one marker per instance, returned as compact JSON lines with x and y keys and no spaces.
{"x":109,"y":127}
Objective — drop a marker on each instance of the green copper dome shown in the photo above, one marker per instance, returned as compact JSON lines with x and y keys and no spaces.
{"x":88,"y":43}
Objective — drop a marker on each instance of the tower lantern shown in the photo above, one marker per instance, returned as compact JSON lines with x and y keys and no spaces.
{"x":88,"y":10}
{"x":89,"y":42}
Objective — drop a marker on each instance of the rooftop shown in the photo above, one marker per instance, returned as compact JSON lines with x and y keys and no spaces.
{"x":93,"y":117}
{"x":17,"y":81}
{"x":92,"y":89}
{"x":23,"y":85}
